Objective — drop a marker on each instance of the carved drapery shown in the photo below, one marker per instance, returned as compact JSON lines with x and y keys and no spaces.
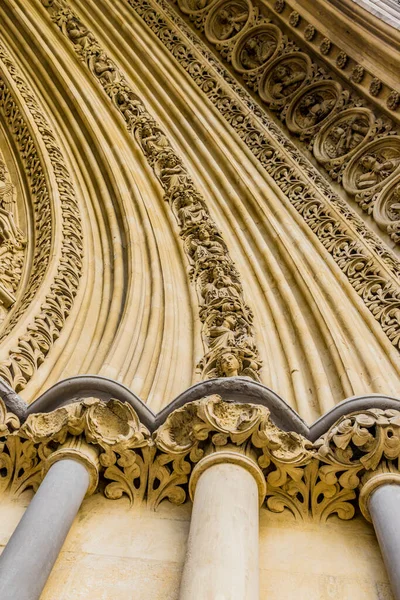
{"x":311,"y":480}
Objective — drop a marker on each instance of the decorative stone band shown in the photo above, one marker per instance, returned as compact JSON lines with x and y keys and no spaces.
{"x":309,"y":479}
{"x":50,"y":187}
{"x":342,"y":233}
{"x":227,"y":329}
{"x":356,"y":145}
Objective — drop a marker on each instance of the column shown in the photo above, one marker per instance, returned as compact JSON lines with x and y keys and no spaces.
{"x":221,"y":563}
{"x":380,"y":504}
{"x":28,"y":558}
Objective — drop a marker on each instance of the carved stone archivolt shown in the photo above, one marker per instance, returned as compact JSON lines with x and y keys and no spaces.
{"x":359,"y":257}
{"x":227,"y":319}
{"x":52,"y":193}
{"x":304,"y":95}
{"x":308,"y":480}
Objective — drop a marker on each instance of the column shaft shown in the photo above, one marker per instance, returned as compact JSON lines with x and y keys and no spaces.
{"x":222,"y":555}
{"x":384,"y":508}
{"x":32,"y":550}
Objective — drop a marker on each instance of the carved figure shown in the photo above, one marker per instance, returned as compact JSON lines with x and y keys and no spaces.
{"x":314,"y":107}
{"x":190,"y":210}
{"x":229,"y":365}
{"x":103,"y":68}
{"x":286,"y":80}
{"x":375,"y":169}
{"x":6,"y":190}
{"x":257,"y":50}
{"x":222,"y":335}
{"x":77,"y":33}
{"x":229,"y":21}
{"x":152,"y":140}
{"x":204,"y":246}
{"x":346,"y":136}
{"x":130,"y":106}
{"x":170,"y":171}
{"x":220,"y":286}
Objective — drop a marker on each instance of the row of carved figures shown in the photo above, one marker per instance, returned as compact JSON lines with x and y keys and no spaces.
{"x":227,"y":319}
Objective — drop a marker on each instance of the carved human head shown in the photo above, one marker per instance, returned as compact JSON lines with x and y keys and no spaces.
{"x":229,"y":365}
{"x":281,"y":71}
{"x":368,"y":161}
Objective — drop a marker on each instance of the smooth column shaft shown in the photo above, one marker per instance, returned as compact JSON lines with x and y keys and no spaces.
{"x":384,"y":508}
{"x":222,"y":556}
{"x":32,"y":550}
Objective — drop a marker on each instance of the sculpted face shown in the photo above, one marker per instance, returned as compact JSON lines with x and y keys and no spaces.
{"x":229,"y":364}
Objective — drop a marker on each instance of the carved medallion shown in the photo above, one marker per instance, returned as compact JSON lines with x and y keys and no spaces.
{"x":227,"y":19}
{"x":256,"y":48}
{"x":312,"y":106}
{"x":387,"y":209}
{"x":342,"y":135}
{"x":284,"y":77}
{"x":372,"y":166}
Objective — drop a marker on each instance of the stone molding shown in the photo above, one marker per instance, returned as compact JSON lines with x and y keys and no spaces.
{"x":227,"y":330}
{"x":311,"y":480}
{"x":369,"y":266}
{"x":310,"y":101}
{"x":52,"y":192}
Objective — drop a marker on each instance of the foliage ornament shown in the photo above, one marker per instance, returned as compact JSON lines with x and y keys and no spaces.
{"x":359,"y":255}
{"x":226,"y":318}
{"x":354,"y":448}
{"x":311,"y":480}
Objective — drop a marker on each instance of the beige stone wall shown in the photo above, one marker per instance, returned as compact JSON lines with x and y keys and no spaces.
{"x":114,"y":551}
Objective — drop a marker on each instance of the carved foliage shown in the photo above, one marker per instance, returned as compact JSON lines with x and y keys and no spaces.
{"x":227,"y":320}
{"x":32,"y":347}
{"x":210,"y":425}
{"x":305,"y":188}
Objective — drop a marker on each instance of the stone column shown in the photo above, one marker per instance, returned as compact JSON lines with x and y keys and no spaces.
{"x":380,"y":504}
{"x":32,"y":550}
{"x":222,"y":556}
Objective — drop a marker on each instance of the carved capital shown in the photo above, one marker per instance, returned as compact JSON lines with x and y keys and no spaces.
{"x":211,"y":430}
{"x":385,"y":474}
{"x":230,"y":456}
